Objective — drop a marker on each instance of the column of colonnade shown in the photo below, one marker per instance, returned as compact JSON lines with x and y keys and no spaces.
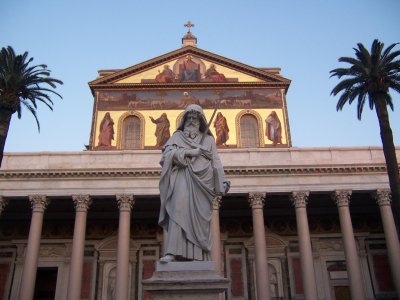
{"x":125,"y":204}
{"x":383,"y":198}
{"x":216,"y":234}
{"x":27,"y":286}
{"x":342,"y":199}
{"x":299,"y":200}
{"x":82,"y":203}
{"x":257,"y":201}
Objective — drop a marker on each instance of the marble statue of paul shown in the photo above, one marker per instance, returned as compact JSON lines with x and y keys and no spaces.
{"x":192,"y":175}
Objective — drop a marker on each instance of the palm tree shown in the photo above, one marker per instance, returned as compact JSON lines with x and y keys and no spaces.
{"x":370,"y":76}
{"x":21,"y":85}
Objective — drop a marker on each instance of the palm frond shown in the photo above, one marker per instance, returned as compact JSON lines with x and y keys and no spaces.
{"x":363,"y":56}
{"x":395,"y":86}
{"x":387,"y":52}
{"x":389,"y":101}
{"x":360,"y":106}
{"x":369,"y":77}
{"x":390,"y":57}
{"x":33,"y":111}
{"x":30,"y":84}
{"x":343,"y":99}
{"x":346,"y":84}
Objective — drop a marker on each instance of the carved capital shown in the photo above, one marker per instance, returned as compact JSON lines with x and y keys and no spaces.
{"x":125,"y":202}
{"x":82,"y":202}
{"x":3,"y":203}
{"x":382,"y":197}
{"x":341,"y":197}
{"x":38,"y":202}
{"x":299,"y":199}
{"x":216,"y":203}
{"x":257,"y":200}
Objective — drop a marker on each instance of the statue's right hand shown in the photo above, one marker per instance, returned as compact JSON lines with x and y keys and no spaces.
{"x":193,"y":152}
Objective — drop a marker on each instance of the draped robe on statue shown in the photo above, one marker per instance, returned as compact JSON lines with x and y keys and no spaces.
{"x":187,"y":188}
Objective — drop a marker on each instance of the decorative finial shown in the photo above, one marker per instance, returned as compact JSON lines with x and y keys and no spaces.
{"x":188,"y":25}
{"x":189,"y":39}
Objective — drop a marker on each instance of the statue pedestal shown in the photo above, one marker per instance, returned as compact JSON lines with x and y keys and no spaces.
{"x":186,"y":280}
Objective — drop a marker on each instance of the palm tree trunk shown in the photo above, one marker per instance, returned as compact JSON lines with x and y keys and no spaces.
{"x":391,"y":159}
{"x":5,"y":119}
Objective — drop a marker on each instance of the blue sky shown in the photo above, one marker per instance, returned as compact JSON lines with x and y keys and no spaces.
{"x":304,"y":38}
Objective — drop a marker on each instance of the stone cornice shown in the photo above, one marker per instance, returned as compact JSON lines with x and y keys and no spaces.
{"x":188,"y":85}
{"x":79,"y":173}
{"x":230,"y":171}
{"x":299,"y":170}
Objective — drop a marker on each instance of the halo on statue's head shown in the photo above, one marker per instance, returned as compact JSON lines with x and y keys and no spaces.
{"x":199,"y":110}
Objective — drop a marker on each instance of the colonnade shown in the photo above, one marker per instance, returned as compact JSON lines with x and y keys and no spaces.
{"x":256,"y":201}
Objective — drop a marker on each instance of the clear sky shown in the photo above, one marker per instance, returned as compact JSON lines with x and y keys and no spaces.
{"x":76,"y":38}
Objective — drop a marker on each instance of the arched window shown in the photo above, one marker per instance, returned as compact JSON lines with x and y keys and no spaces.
{"x":249,"y":131}
{"x":131,"y":133}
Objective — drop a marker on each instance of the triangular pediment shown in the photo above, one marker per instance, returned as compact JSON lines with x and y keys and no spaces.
{"x":190,"y":65}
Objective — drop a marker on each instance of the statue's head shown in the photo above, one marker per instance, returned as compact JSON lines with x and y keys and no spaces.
{"x":194,"y":109}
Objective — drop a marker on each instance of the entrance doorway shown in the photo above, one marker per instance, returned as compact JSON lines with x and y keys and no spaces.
{"x":339,"y":280}
{"x":342,"y":292}
{"x":46,"y":281}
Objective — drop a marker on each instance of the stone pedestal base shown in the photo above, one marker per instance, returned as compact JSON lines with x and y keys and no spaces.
{"x":186,"y":280}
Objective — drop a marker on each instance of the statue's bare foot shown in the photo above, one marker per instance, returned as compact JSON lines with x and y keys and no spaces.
{"x":167,"y":258}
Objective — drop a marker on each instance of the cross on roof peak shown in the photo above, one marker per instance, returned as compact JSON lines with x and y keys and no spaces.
{"x":188,"y":25}
{"x":189,"y":39}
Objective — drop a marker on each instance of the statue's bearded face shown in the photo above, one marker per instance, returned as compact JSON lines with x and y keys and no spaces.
{"x":192,"y":122}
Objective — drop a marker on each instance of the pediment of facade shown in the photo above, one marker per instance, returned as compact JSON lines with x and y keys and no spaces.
{"x":189,"y":65}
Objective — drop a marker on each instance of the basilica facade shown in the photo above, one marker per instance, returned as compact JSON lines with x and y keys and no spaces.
{"x":297,"y":223}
